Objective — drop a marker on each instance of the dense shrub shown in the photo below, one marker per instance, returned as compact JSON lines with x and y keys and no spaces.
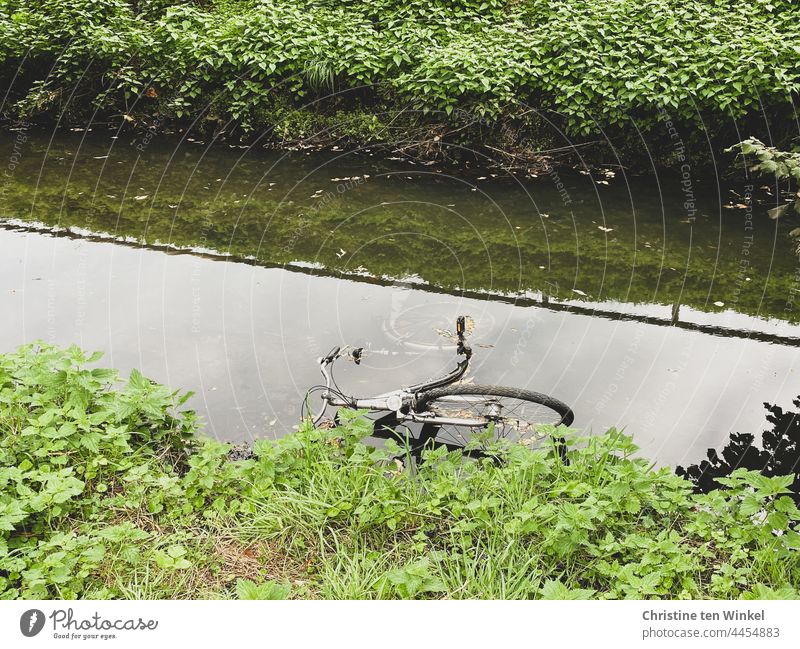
{"x":589,"y":64}
{"x":102,"y":496}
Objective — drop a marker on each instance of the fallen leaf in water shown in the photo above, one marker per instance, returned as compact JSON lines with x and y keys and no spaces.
{"x":777,"y":212}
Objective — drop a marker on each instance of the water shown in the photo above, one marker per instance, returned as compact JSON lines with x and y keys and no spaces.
{"x":228,"y":271}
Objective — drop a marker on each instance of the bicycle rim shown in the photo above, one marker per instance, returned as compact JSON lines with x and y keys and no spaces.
{"x":509,"y":413}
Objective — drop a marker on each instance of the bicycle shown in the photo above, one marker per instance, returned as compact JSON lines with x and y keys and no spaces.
{"x":449,"y":412}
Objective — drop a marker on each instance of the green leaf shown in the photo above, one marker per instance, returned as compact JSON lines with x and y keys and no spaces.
{"x":553,"y":589}
{"x":268,"y":590}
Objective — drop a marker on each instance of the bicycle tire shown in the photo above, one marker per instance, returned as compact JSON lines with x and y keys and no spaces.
{"x":552,"y":411}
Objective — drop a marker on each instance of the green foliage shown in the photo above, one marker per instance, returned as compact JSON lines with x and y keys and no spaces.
{"x":67,"y":444}
{"x":763,"y":159}
{"x":589,"y":64}
{"x":410,"y":581}
{"x":140,"y":511}
{"x":553,"y":589}
{"x":246,"y":589}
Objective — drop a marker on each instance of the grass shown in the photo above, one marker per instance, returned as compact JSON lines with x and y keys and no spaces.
{"x":106,"y":491}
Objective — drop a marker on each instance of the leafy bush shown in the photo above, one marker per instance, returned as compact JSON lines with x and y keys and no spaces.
{"x":589,"y":64}
{"x":102,"y":495}
{"x":68,"y":446}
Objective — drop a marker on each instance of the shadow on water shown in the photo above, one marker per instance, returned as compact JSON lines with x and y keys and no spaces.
{"x":779,"y":453}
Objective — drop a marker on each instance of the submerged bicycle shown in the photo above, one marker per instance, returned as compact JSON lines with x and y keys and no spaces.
{"x":449,"y":412}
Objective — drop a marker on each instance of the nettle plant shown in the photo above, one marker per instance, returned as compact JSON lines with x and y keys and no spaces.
{"x":68,"y":442}
{"x":587,"y":64}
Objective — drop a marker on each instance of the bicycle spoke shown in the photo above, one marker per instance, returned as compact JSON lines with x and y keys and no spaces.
{"x":515,"y":419}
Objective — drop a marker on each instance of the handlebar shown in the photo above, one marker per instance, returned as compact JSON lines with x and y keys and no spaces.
{"x":357,"y":354}
{"x":332,"y":355}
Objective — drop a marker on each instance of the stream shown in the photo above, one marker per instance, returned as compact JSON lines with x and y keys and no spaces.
{"x":656,"y":305}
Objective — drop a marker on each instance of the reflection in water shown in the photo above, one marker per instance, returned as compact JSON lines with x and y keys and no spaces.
{"x":779,"y":453}
{"x":628,"y":243}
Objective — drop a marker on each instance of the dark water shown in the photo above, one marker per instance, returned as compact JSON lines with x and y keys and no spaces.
{"x":667,"y":312}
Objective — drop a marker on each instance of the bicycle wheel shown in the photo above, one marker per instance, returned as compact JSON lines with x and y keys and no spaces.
{"x":511,"y":413}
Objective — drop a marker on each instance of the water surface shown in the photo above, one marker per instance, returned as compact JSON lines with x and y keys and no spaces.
{"x":674,"y":320}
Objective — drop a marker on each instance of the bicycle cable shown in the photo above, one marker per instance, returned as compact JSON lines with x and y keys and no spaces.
{"x":318,"y":388}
